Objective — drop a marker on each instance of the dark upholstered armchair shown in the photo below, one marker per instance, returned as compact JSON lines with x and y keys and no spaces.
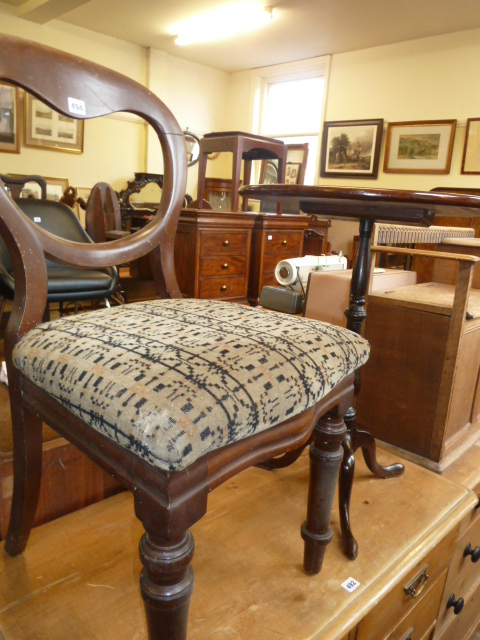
{"x":172,"y":396}
{"x":65,"y":284}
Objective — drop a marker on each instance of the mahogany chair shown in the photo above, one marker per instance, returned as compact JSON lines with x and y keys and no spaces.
{"x":171,"y":396}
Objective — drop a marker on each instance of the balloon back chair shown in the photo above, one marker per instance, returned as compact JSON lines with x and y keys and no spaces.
{"x":172,"y":396}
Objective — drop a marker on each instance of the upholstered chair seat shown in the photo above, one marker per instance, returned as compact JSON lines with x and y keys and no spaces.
{"x":172,"y":380}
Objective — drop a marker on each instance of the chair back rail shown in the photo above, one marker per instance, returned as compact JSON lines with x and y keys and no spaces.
{"x":47,"y":74}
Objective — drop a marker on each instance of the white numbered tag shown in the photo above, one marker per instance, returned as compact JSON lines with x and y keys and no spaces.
{"x":36,"y":219}
{"x":350,"y":585}
{"x":77,"y":106}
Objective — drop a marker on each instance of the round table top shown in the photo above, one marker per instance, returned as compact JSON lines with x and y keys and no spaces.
{"x":377,"y":204}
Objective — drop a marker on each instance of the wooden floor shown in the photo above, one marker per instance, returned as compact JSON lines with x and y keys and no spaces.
{"x":78,"y":578}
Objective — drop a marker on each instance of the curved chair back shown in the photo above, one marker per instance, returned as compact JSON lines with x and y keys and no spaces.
{"x":17,"y":184}
{"x":80,"y":89}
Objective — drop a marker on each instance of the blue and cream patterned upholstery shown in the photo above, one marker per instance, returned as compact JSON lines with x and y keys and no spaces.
{"x":174,"y":379}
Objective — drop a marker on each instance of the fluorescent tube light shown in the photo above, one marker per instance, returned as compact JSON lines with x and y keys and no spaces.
{"x":222,"y":23}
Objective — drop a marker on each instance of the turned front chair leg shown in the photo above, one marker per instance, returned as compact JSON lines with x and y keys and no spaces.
{"x":166,"y":583}
{"x":326,"y":454}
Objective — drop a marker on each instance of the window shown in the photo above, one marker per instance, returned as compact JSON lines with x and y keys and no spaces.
{"x":292,"y":104}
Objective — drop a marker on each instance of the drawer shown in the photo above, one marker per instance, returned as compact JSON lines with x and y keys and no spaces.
{"x":420,"y":620}
{"x":229,"y":265}
{"x":463,"y":572}
{"x":221,"y":242}
{"x":286,"y":243}
{"x":393,"y":608}
{"x":223,"y":287}
{"x":460,"y":627}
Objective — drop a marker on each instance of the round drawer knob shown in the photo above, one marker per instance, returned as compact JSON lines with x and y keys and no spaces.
{"x":225,"y":265}
{"x":226,"y":243}
{"x":456,"y":604}
{"x":475,"y":553}
{"x":223,"y":287}
{"x":284,"y":243}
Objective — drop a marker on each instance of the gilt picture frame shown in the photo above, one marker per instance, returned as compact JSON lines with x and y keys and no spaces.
{"x":9,"y":119}
{"x":471,"y":149}
{"x":45,"y":128}
{"x":351,"y":148}
{"x":419,"y":146}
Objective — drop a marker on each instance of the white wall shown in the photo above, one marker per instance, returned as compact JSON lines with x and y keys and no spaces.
{"x":428,"y":79}
{"x":197,"y":95}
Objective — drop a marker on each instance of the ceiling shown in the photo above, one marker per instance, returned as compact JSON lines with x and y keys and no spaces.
{"x":301,"y":28}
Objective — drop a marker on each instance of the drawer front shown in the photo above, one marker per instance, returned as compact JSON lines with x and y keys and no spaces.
{"x":223,"y":288}
{"x":459,"y":627}
{"x":397,"y":604}
{"x":222,"y":242}
{"x":420,"y":620}
{"x":229,"y":265}
{"x":463,"y":573}
{"x":287,"y":243}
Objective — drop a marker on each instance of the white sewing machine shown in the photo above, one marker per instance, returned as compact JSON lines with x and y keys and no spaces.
{"x":293,"y":273}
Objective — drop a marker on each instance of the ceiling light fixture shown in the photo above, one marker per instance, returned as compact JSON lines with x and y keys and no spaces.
{"x":222,"y":23}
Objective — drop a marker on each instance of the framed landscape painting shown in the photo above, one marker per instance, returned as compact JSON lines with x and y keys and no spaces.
{"x":419,"y":147}
{"x":351,"y":148}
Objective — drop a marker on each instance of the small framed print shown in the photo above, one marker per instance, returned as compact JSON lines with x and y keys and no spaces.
{"x":471,"y":150}
{"x":419,"y":147}
{"x":351,"y":148}
{"x":9,"y":121}
{"x":292,"y":172}
{"x":45,"y":128}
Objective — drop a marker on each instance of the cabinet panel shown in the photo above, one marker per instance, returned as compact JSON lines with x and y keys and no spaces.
{"x":401,"y":380}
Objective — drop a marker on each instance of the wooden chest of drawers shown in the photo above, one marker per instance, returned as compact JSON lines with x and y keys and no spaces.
{"x":462,"y":587}
{"x":212,"y":254}
{"x":274,"y":238}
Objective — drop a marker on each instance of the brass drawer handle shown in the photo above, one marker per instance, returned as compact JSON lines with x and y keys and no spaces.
{"x":225,"y":265}
{"x":409,"y":634}
{"x":415,"y":587}
{"x":223,"y":287}
{"x":475,"y":553}
{"x":284,"y":243}
{"x":456,"y":604}
{"x":226,"y":243}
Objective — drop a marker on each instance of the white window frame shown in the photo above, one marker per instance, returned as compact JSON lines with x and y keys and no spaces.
{"x":291,"y":71}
